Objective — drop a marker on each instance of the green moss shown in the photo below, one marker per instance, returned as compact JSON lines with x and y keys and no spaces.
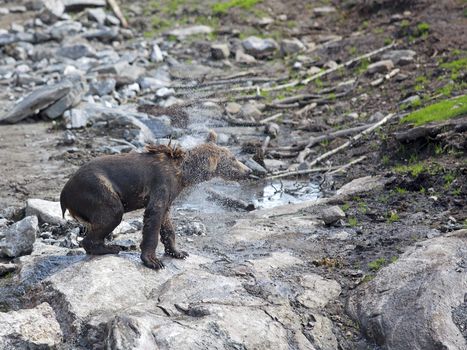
{"x":393,"y":217}
{"x":353,"y":221}
{"x":401,"y":190}
{"x":457,"y":65}
{"x":345,"y":207}
{"x":224,"y":7}
{"x":423,"y":28}
{"x":377,"y":264}
{"x":363,"y":66}
{"x":413,"y":169}
{"x":387,"y":41}
{"x":368,"y":278}
{"x":443,"y":110}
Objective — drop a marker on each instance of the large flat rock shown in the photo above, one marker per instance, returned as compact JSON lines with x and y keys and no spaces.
{"x":409,"y":304}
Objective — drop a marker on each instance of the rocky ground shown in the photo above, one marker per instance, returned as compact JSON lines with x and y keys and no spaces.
{"x":358,"y":245}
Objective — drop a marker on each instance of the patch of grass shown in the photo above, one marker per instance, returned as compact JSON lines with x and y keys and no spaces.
{"x":385,"y":160}
{"x":442,"y":110}
{"x":393,"y":217}
{"x":412,"y":169}
{"x":368,"y":278}
{"x":345,"y":207}
{"x":387,"y":41}
{"x":362,"y":207}
{"x":377,"y":264}
{"x":353,"y":221}
{"x":352,"y":50}
{"x":401,"y":190}
{"x":439,"y":149}
{"x":405,"y":23}
{"x":363,"y":66}
{"x":457,"y":65}
{"x":448,"y":180}
{"x":224,"y":7}
{"x":423,"y":28}
{"x":457,"y":191}
{"x":446,"y":90}
{"x":394,"y":259}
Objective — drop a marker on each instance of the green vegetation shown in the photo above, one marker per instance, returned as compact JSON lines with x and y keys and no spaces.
{"x":385,"y":160}
{"x":362,"y":207}
{"x":393,"y":217}
{"x":368,"y":278}
{"x":423,"y":28}
{"x":363,"y":66}
{"x":377,"y":264}
{"x":448,"y":180}
{"x":412,"y":169}
{"x":457,"y":191}
{"x":345,"y":207}
{"x":457,"y":65}
{"x":353,"y":221}
{"x":443,"y":110}
{"x":401,"y":190}
{"x":224,"y":7}
{"x":387,"y":41}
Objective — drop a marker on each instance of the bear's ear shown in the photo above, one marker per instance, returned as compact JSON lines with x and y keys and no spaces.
{"x":212,"y":163}
{"x":212,"y":136}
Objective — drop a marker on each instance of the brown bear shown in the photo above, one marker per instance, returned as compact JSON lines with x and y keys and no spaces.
{"x":102,"y":190}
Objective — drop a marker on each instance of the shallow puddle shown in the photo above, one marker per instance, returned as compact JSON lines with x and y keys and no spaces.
{"x":262,"y":194}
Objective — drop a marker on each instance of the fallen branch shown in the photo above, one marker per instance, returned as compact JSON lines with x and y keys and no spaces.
{"x":124,"y":142}
{"x":299,"y":172}
{"x":431,"y":130}
{"x":352,"y":140}
{"x":346,"y":64}
{"x":118,"y":13}
{"x":265,"y":144}
{"x":348,"y":165}
{"x":326,"y":137}
{"x":228,"y":82}
{"x":306,"y":109}
{"x":272,"y":117}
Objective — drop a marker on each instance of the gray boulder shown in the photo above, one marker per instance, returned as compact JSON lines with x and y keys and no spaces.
{"x":102,"y":87}
{"x":47,"y":211}
{"x":76,"y":118}
{"x":291,"y":46}
{"x":76,"y":51}
{"x":220,"y":51}
{"x":36,"y":101}
{"x":97,"y":14}
{"x":18,"y":239}
{"x":380,"y":67}
{"x":35,"y":328}
{"x":258,"y":47}
{"x":400,"y":57}
{"x":409,"y":304}
{"x":182,"y":298}
{"x":79,"y":4}
{"x":71,"y":99}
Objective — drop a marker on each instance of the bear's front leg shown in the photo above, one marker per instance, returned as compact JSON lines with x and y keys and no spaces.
{"x":168,"y":239}
{"x":153,"y":216}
